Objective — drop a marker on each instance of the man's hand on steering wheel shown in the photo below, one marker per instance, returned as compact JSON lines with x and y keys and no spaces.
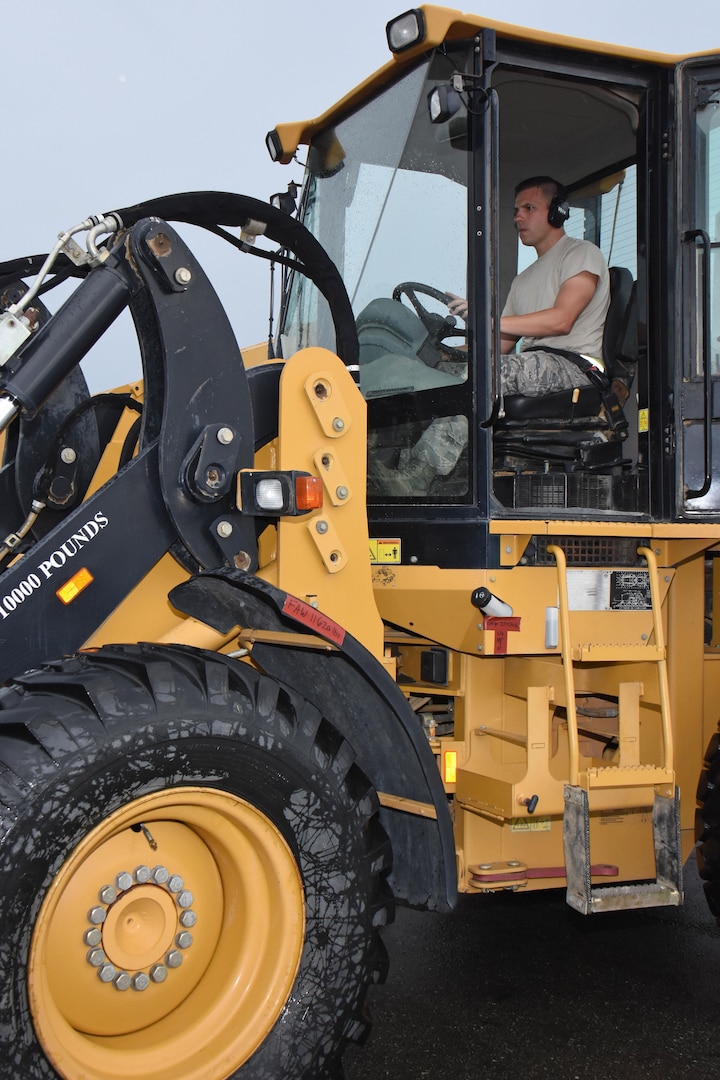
{"x":438,"y":326}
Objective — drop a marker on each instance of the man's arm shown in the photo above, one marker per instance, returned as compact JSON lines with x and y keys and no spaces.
{"x":574,"y":296}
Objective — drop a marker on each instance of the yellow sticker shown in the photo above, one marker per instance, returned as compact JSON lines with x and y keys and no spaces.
{"x":643,"y":419}
{"x":530,"y":824}
{"x":385,"y":551}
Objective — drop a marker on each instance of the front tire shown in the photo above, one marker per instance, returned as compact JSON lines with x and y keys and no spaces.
{"x":191,"y":874}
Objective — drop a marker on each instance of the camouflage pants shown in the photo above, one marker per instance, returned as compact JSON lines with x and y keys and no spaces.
{"x":536,"y":373}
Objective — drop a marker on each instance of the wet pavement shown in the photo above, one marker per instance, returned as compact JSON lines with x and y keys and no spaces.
{"x":517,"y":987}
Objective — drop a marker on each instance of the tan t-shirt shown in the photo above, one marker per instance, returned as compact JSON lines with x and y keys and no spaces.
{"x":536,"y":289}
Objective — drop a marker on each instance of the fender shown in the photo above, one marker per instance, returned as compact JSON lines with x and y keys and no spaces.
{"x":351,"y":687}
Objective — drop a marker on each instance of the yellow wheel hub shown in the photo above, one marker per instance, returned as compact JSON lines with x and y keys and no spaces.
{"x":169,"y":941}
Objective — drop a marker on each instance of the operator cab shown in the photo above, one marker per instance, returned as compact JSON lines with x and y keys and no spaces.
{"x":411,"y":190}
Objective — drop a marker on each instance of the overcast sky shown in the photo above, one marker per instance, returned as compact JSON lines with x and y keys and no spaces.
{"x":107,"y":102}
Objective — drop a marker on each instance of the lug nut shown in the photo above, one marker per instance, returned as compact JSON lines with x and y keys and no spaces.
{"x":159,"y":874}
{"x":123,"y":881}
{"x":122,"y":981}
{"x":174,"y":959}
{"x":97,"y":915}
{"x":93,"y":937}
{"x":141,"y":981}
{"x":184,"y":940}
{"x":188,"y":918}
{"x":185,"y":899}
{"x":108,"y":894}
{"x":175,"y":883}
{"x":158,"y":973}
{"x":96,"y":957}
{"x":106,"y":973}
{"x":141,"y":874}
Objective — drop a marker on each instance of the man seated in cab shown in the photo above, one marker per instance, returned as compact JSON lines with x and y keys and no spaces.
{"x":557,"y":305}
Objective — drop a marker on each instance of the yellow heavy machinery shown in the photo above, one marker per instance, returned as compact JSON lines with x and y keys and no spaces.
{"x":291,"y":636}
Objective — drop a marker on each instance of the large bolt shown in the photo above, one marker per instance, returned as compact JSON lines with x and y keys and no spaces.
{"x":185,"y":899}
{"x":123,"y":881}
{"x":106,"y":973}
{"x":159,"y":874}
{"x":108,"y":894}
{"x":97,"y":915}
{"x":96,"y":958}
{"x":158,"y":973}
{"x":141,"y":874}
{"x":175,"y":883}
{"x":122,"y":981}
{"x":184,"y":940}
{"x":141,"y":981}
{"x":188,"y":918}
{"x":174,"y":959}
{"x":92,"y":937}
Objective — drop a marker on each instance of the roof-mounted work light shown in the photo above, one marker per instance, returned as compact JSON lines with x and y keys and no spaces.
{"x":406,"y":30}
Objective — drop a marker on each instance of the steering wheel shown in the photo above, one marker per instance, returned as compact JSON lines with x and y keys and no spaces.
{"x":438,"y":326}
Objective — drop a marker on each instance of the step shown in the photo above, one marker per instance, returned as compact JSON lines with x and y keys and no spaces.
{"x":614,"y":776}
{"x":631,"y":897}
{"x":665,"y":891}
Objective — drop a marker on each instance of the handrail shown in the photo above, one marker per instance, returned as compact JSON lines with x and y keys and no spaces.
{"x":566,"y":649}
{"x":697,"y":493}
{"x":663,"y":684}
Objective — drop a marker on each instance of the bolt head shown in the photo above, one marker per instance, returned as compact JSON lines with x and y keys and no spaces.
{"x":188,"y":918}
{"x":185,"y":899}
{"x":141,"y":981}
{"x":174,"y":959}
{"x":184,"y":939}
{"x":225,"y":436}
{"x":322,"y":526}
{"x":175,"y":883}
{"x":106,"y":973}
{"x":122,"y":981}
{"x":108,"y":894}
{"x":97,"y":915}
{"x":96,"y":957}
{"x":92,"y":937}
{"x":224,"y":529}
{"x":141,"y":874}
{"x":159,"y":874}
{"x":338,"y":424}
{"x":123,"y":881}
{"x":183,"y":275}
{"x":342,"y":492}
{"x":158,"y":973}
{"x":68,"y":455}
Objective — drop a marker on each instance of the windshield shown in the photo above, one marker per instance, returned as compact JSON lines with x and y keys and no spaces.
{"x":386,"y":196}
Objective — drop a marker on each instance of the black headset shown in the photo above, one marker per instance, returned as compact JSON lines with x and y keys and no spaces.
{"x":558,"y":211}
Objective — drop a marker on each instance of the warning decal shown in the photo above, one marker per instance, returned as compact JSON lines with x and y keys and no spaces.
{"x":385,"y":551}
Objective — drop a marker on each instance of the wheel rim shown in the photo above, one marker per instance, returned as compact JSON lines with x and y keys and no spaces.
{"x":173,"y":961}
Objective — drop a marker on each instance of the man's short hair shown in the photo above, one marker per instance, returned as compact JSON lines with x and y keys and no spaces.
{"x":550,"y":187}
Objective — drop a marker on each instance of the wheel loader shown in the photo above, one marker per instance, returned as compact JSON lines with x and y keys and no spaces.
{"x":295,"y":632}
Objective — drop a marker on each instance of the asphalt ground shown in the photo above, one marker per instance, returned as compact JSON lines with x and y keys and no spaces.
{"x":518,"y":987}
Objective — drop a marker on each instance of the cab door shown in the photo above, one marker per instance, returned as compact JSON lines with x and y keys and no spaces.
{"x":698,"y":432}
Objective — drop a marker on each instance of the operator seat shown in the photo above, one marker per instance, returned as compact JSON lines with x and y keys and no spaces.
{"x":556,"y":426}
